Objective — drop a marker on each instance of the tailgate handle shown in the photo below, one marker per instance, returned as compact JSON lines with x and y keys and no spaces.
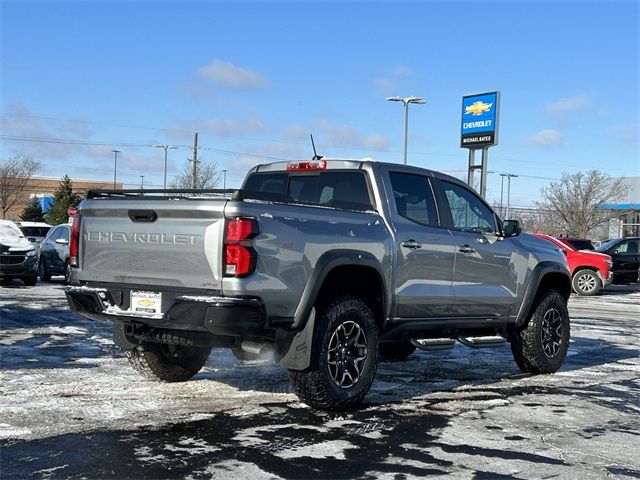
{"x":146,"y":216}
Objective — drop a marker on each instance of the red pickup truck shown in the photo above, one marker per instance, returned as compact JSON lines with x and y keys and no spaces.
{"x":590,"y":271}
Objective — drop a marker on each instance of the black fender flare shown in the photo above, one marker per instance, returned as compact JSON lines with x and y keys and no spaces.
{"x":540,"y":271}
{"x":325,"y":264}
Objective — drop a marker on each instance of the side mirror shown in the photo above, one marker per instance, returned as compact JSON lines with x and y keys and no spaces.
{"x":511,"y":228}
{"x":62,"y":241}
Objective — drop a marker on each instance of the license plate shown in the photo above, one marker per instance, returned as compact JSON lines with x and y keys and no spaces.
{"x":146,"y":302}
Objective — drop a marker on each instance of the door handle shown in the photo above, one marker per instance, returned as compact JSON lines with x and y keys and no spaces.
{"x":466,"y":249}
{"x":412,"y":244}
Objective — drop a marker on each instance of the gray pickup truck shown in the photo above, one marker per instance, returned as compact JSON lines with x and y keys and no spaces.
{"x":329,"y":265}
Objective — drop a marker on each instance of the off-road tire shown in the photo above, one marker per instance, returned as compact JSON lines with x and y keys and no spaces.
{"x":167,"y":363}
{"x":586,"y":282}
{"x":43,"y":271}
{"x":315,"y":385}
{"x":395,"y":351}
{"x":541,"y":347}
{"x":30,"y":281}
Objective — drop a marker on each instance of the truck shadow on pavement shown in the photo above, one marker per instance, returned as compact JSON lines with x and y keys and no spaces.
{"x":280,"y":440}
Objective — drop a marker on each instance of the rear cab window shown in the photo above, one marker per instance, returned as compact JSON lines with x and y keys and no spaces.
{"x":414,"y":198}
{"x":344,"y":189}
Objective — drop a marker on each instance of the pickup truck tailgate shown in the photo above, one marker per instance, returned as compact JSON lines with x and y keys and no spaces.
{"x":158,"y":242}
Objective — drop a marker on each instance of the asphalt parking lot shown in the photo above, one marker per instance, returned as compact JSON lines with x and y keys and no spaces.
{"x":73,"y":408}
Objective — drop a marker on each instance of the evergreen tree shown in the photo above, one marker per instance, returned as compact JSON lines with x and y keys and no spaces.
{"x":33,"y":211}
{"x":62,"y":200}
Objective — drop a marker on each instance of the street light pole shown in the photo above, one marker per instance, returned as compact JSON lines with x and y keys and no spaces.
{"x":502,"y":175}
{"x":166,"y":149}
{"x":509,"y":175}
{"x":405,"y":102}
{"x":224,"y":179}
{"x":115,"y":166}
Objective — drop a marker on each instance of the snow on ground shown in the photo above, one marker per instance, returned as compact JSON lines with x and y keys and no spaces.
{"x":72,"y":407}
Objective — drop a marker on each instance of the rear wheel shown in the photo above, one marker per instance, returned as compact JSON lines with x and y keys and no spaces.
{"x":586,"y":282}
{"x":542,"y":346}
{"x":43,"y":271}
{"x":397,"y":351}
{"x":167,"y":362}
{"x":343,"y":359}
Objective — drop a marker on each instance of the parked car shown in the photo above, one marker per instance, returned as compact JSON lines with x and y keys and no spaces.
{"x":18,"y":257}
{"x":625,"y":253}
{"x":578,"y":243}
{"x":35,"y":232}
{"x":590,"y":271}
{"x":54,"y":254}
{"x":326,"y":263}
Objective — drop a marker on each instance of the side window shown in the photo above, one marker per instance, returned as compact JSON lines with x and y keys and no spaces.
{"x":629,"y":247}
{"x":64,"y":234}
{"x":55,"y":234}
{"x":468,"y":212}
{"x":414,"y":198}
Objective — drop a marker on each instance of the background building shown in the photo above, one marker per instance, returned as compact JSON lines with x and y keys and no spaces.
{"x":627,"y":211}
{"x":44,"y":188}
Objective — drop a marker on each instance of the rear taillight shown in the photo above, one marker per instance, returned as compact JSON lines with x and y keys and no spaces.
{"x":239,"y":255}
{"x":74,"y":241}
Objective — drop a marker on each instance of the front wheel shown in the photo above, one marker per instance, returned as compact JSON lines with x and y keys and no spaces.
{"x":43,"y":271}
{"x":542,"y":346}
{"x":167,"y":362}
{"x":344,"y":357}
{"x":586,"y":282}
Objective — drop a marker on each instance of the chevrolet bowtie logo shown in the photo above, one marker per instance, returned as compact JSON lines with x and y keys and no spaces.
{"x":477,"y":108}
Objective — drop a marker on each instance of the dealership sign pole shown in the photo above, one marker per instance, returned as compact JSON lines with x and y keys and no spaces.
{"x":479,"y":131}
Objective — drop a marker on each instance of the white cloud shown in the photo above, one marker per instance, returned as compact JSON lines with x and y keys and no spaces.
{"x":296,"y":133}
{"x":564,"y":108}
{"x":375,"y":142}
{"x":389,"y":81}
{"x":628,"y":133}
{"x":402,"y":71}
{"x":229,"y":75}
{"x":547,"y":138}
{"x":30,"y":133}
{"x":343,"y":136}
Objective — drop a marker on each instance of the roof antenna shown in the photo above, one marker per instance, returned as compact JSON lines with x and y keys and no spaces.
{"x":315,"y":154}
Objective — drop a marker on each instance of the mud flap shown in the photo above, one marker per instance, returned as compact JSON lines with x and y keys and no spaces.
{"x":298,"y":356}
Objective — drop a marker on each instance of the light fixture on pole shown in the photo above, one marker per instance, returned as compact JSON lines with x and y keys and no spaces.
{"x":115,"y":166}
{"x":166,"y":148}
{"x":405,"y":102}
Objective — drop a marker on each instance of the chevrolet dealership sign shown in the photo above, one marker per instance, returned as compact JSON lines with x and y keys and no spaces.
{"x":480,"y":120}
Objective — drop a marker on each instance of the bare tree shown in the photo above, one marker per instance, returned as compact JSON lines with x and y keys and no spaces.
{"x":15,"y":173}
{"x":577,"y":201}
{"x":207,"y":176}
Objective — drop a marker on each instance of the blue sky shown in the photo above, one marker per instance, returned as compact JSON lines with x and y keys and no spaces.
{"x":255,"y":78}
